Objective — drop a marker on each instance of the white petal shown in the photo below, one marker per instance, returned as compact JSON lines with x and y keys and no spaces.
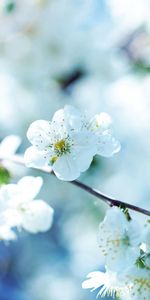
{"x":8,"y":194}
{"x":36,"y":159}
{"x":30,"y":186}
{"x":66,"y":168}
{"x":69,"y":118}
{"x":7,"y":234}
{"x":135,"y":232}
{"x":100,"y":122}
{"x":84,"y":161}
{"x":73,"y":117}
{"x":58,"y":117}
{"x":96,"y":279}
{"x":107,"y":145}
{"x":115,"y":216}
{"x":39,"y":134}
{"x":13,"y":217}
{"x":37,"y":217}
{"x":84,"y":149}
{"x":84,"y":141}
{"x":9,"y":145}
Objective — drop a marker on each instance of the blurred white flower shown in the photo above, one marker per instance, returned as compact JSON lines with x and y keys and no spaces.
{"x":37,"y":29}
{"x":17,"y":207}
{"x":127,"y":273}
{"x":69,"y":142}
{"x":119,"y":239}
{"x":65,"y":143}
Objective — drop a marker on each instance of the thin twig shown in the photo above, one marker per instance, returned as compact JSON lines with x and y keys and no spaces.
{"x":107,"y":199}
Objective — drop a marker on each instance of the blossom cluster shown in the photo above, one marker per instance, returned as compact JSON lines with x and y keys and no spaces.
{"x":69,"y":142}
{"x":67,"y":145}
{"x":125,"y":246}
{"x":18,"y":209}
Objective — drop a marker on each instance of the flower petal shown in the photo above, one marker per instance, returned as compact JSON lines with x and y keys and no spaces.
{"x":68,"y":118}
{"x":107,"y":145}
{"x":74,"y":119}
{"x":100,"y":122}
{"x":84,"y":142}
{"x":37,"y":217}
{"x":66,"y":168}
{"x":30,"y":186}
{"x":36,"y":159}
{"x":9,"y":145}
{"x":7,"y":234}
{"x":39,"y":134}
{"x":8,"y":195}
{"x":96,"y":279}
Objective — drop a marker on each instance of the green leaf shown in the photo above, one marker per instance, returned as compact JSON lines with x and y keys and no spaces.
{"x":5,"y":175}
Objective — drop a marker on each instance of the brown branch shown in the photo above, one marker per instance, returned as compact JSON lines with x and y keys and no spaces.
{"x":107,"y":199}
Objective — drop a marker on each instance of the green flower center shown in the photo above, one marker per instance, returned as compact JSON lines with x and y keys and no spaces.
{"x":62,"y":147}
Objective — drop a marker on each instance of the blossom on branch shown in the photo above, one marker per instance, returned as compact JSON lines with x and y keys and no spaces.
{"x":119,"y":239}
{"x":124,"y":245}
{"x":69,"y":142}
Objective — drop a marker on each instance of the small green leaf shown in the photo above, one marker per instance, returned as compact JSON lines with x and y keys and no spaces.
{"x":5,"y":176}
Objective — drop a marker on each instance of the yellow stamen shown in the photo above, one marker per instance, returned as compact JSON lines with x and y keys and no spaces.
{"x":60,"y":145}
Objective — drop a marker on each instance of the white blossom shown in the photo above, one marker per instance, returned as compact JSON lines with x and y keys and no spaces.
{"x":65,"y":143}
{"x":69,"y":142}
{"x":19,"y":209}
{"x":119,"y":239}
{"x":123,"y":243}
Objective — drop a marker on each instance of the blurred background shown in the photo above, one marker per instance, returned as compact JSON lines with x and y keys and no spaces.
{"x":95,"y":55}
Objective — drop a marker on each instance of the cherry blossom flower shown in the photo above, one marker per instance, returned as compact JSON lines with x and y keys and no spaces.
{"x":69,"y":142}
{"x":65,"y":143}
{"x":119,"y":239}
{"x":18,"y":209}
